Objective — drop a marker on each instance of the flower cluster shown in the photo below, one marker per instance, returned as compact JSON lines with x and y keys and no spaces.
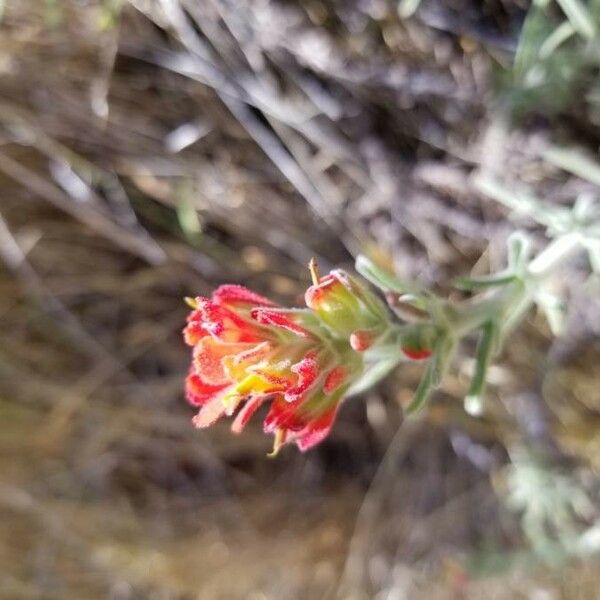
{"x":248,"y":351}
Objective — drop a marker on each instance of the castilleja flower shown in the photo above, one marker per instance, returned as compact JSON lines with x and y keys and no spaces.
{"x":247,"y":351}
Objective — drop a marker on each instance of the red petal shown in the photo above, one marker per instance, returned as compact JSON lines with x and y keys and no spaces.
{"x":224,"y":323}
{"x":198,"y":392}
{"x":334,"y":379}
{"x":246,"y":412}
{"x":253,"y":354}
{"x":238,"y":294}
{"x":193,"y":331}
{"x":283,"y":415}
{"x":208,"y":359}
{"x":196,"y":315}
{"x":278,"y":319}
{"x":210,"y":413}
{"x":307,"y":370}
{"x":316,"y":431}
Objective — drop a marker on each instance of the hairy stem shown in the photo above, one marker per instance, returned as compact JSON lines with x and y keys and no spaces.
{"x":500,"y":303}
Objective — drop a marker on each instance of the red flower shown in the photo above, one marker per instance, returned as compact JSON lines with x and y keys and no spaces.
{"x":248,"y":351}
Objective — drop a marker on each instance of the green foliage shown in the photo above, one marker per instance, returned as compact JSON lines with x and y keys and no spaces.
{"x":383,"y":279}
{"x":556,"y":59}
{"x":500,"y":299}
{"x":443,"y":353}
{"x":485,"y":350}
{"x":557,"y":514}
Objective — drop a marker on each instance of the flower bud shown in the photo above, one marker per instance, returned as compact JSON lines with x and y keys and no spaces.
{"x":344,"y":305}
{"x":417,"y":342}
{"x":363,"y":339}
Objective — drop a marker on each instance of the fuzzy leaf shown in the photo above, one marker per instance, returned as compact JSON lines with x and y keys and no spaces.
{"x":585,"y":210}
{"x":442,"y":354}
{"x":423,"y":391}
{"x":579,"y":17}
{"x":519,"y":250}
{"x":484,"y":281}
{"x":485,"y":349}
{"x":381,"y":278}
{"x":522,"y":202}
{"x":374,"y":374}
{"x":554,"y":309}
{"x":560,"y":35}
{"x":574,"y":161}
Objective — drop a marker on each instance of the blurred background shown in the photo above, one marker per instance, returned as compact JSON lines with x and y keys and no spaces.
{"x":153,"y":149}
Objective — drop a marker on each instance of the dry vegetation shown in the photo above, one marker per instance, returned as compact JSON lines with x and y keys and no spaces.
{"x":152,"y":149}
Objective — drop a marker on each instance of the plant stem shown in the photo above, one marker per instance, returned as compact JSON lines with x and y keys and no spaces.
{"x":557,"y":251}
{"x":495,"y":305}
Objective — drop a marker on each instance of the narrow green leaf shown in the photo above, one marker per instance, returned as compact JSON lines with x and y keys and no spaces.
{"x":442,"y":354}
{"x":560,"y":35}
{"x":374,"y":374}
{"x":586,"y":209}
{"x":485,"y":349}
{"x":574,"y":161}
{"x":519,"y":250}
{"x":519,"y":202}
{"x":443,"y":351}
{"x":554,"y":309}
{"x":415,"y":300}
{"x":484,"y":281}
{"x":535,"y":29}
{"x":579,"y":16}
{"x":561,"y":247}
{"x":423,"y":391}
{"x":381,"y":278}
{"x":517,"y":312}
